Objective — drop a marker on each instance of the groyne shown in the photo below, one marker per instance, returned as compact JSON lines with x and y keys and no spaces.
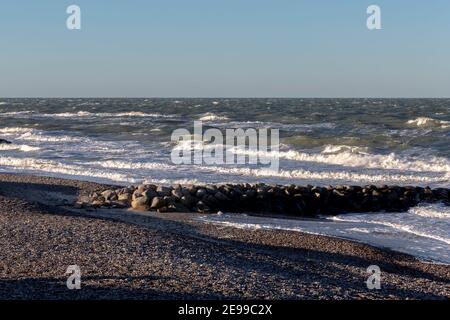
{"x":302,"y":201}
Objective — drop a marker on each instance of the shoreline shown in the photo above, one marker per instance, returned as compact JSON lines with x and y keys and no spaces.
{"x":125,"y":254}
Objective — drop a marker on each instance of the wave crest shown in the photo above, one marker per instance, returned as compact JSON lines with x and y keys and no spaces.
{"x":426,"y":122}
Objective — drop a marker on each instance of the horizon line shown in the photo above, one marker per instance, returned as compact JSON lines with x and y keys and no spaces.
{"x":209,"y":97}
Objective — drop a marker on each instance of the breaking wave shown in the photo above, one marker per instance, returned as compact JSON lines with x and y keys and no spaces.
{"x":426,"y":122}
{"x":85,"y":114}
{"x":212,"y":117}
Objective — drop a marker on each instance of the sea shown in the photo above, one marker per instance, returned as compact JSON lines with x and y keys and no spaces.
{"x":322,"y":142}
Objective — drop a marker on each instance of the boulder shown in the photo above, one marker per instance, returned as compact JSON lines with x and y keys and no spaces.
{"x":109,"y":195}
{"x":150,"y":194}
{"x":188,"y":201}
{"x":3,"y":141}
{"x":200,"y":193}
{"x":141,"y":204}
{"x":124,"y":197}
{"x":221,"y":197}
{"x":164,"y":191}
{"x":259,"y":198}
{"x":202,"y":207}
{"x":177,"y":193}
{"x":158,"y":203}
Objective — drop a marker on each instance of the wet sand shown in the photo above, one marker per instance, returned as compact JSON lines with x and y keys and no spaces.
{"x":128,"y":255}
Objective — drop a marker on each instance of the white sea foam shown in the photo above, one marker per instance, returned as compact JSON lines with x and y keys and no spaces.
{"x":429,"y":122}
{"x":212,"y":117}
{"x":424,"y":237}
{"x":36,"y":135}
{"x":14,"y":113}
{"x":117,"y":164}
{"x":55,"y":168}
{"x":359,"y":157}
{"x":15,"y":130}
{"x":22,"y":147}
{"x":346,"y":156}
{"x":332,"y":176}
{"x":85,"y":114}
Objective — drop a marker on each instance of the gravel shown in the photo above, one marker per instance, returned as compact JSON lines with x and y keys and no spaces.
{"x":128,"y":255}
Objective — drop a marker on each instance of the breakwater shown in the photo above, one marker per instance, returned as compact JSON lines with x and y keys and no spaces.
{"x":302,"y":201}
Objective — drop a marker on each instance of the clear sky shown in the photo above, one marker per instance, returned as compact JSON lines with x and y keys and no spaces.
{"x":224,"y":48}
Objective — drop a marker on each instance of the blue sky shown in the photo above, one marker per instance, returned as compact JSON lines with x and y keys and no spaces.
{"x":224,"y":48}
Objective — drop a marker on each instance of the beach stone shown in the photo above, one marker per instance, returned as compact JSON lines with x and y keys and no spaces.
{"x":250,"y":193}
{"x":150,"y":194}
{"x":201,"y":193}
{"x":192,"y":190}
{"x":202,"y":207}
{"x":125,"y":197}
{"x":163,"y":210}
{"x":3,"y":141}
{"x":441,"y":194}
{"x":392,"y":196}
{"x":260,"y":198}
{"x":141,"y":188}
{"x":163,"y":191}
{"x":211,"y":189}
{"x":185,"y":191}
{"x":118,"y":204}
{"x":136,"y":194}
{"x":158,"y":203}
{"x":97,"y":203}
{"x":177,"y":193}
{"x":109,"y":195}
{"x":188,"y":201}
{"x":338,"y":193}
{"x":221,"y":197}
{"x":210,"y":200}
{"x":140,"y":204}
{"x":238,"y":190}
{"x":177,"y":207}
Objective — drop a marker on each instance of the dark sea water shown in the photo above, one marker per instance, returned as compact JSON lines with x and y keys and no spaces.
{"x":323,"y":141}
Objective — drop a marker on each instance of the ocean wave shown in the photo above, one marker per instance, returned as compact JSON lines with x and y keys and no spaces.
{"x":64,"y":144}
{"x":330,"y":176}
{"x":344,"y":148}
{"x":426,"y":220}
{"x":14,"y":130}
{"x":429,"y":123}
{"x":346,"y":156}
{"x":212,"y":117}
{"x":86,"y":114}
{"x":35,"y":135}
{"x":33,"y":165}
{"x":14,"y":113}
{"x":224,"y":123}
{"x":357,"y":157}
{"x":22,"y":147}
{"x":118,"y":164}
{"x":434,"y":211}
{"x":423,"y":237}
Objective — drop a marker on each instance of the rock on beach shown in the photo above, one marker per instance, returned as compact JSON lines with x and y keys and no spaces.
{"x":302,"y":201}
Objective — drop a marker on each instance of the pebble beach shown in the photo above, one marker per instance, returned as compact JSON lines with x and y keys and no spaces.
{"x":128,"y":254}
